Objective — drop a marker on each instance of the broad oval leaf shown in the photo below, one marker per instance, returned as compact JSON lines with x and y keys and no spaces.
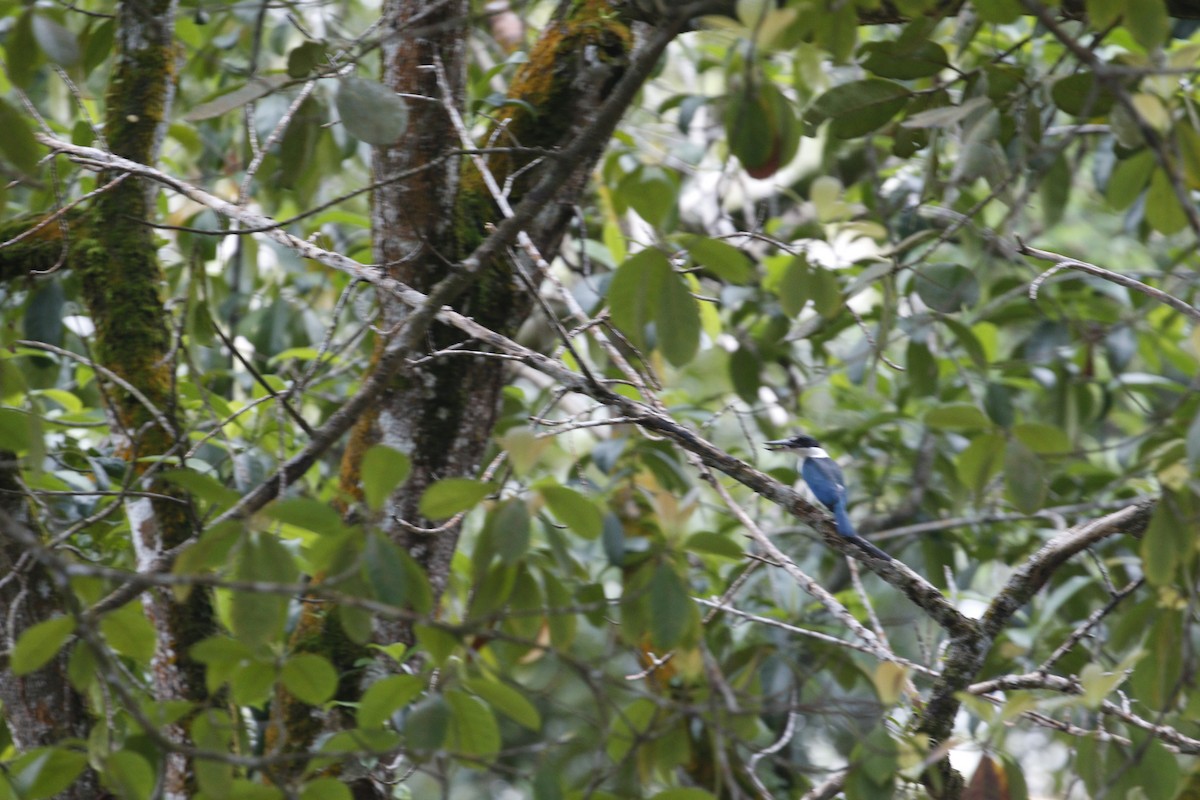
{"x":507,"y":700}
{"x":257,"y":618}
{"x":678,"y":321}
{"x":721,"y":258}
{"x":893,"y":59}
{"x":256,"y":87}
{"x":473,"y":728}
{"x":43,"y":772}
{"x":947,"y":287}
{"x":1081,"y":95}
{"x":310,"y":678}
{"x":858,"y":107}
{"x":574,"y":510}
{"x":981,"y":461}
{"x":956,"y":417}
{"x":387,"y":696}
{"x":17,"y":145}
{"x":449,"y":496}
{"x":1024,"y":477}
{"x":672,"y":612}
{"x":40,"y":643}
{"x":633,"y":295}
{"x":383,"y":469}
{"x":57,"y":42}
{"x":370,"y":111}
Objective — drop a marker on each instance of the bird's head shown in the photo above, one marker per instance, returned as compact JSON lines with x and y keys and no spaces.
{"x":798,"y":442}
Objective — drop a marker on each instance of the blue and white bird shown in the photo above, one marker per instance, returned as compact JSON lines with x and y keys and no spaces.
{"x":824,"y":478}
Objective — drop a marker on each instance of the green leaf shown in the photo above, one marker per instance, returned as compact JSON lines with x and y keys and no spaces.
{"x":685,"y":793}
{"x":212,"y":730}
{"x":17,"y":145}
{"x":947,"y":287}
{"x":1055,"y":191}
{"x":922,"y":369}
{"x":748,"y":128}
{"x":981,"y":461}
{"x":39,"y":643}
{"x":305,"y":58}
{"x":257,"y":618}
{"x":203,"y":486}
{"x":386,"y":569}
{"x":999,"y":12}
{"x":894,"y":59}
{"x":1163,"y":211}
{"x":387,"y":696}
{"x":1043,"y":438}
{"x":23,"y":54}
{"x":1082,"y":95}
{"x":507,"y":700}
{"x":310,"y":678}
{"x":1165,"y":545}
{"x":1103,"y":13}
{"x":1024,"y":477}
{"x":440,"y":644}
{"x":473,"y":730}
{"x":16,"y":429}
{"x":44,"y":772}
{"x":511,"y":530}
{"x":129,"y":632}
{"x":383,"y":469}
{"x":721,"y":258}
{"x":678,"y":321}
{"x":259,"y":86}
{"x":669,"y":608}
{"x":308,"y":514}
{"x":1187,"y":140}
{"x":1148,"y":21}
{"x":794,"y":286}
{"x":1128,"y":179}
{"x":653,"y":194}
{"x":968,"y":341}
{"x":633,"y":295}
{"x":714,"y":544}
{"x":574,"y":510}
{"x":825,"y":290}
{"x":858,"y":107}
{"x":253,"y":683}
{"x":57,"y":42}
{"x":1098,"y":684}
{"x":1155,"y":678}
{"x":956,"y":417}
{"x":450,"y":496}
{"x":428,"y":724}
{"x":1192,"y":444}
{"x":326,"y":789}
{"x":44,"y":314}
{"x":629,"y":727}
{"x":129,"y":775}
{"x":370,"y":111}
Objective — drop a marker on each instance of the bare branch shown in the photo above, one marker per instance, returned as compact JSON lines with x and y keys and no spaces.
{"x":1065,"y":262}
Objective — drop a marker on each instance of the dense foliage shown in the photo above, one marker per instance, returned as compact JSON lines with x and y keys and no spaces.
{"x":957,"y":243}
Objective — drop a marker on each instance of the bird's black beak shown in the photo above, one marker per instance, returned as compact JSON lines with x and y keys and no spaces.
{"x":777,"y":444}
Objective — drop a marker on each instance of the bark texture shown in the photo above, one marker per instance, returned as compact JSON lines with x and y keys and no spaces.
{"x":122,"y":286}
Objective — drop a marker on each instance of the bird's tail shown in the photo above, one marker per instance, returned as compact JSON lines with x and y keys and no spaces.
{"x":846,"y":528}
{"x":844,"y":525}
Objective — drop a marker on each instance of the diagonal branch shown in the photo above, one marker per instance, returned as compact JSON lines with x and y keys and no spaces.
{"x":1065,"y":262}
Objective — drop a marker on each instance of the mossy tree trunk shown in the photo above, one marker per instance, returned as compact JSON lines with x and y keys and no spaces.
{"x":122,"y":285}
{"x":42,"y":708}
{"x":442,"y":412}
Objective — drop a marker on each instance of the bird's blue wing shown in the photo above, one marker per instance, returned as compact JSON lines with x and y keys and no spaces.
{"x":824,"y":478}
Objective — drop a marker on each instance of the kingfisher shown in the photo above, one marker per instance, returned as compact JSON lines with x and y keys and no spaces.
{"x":824,"y":478}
